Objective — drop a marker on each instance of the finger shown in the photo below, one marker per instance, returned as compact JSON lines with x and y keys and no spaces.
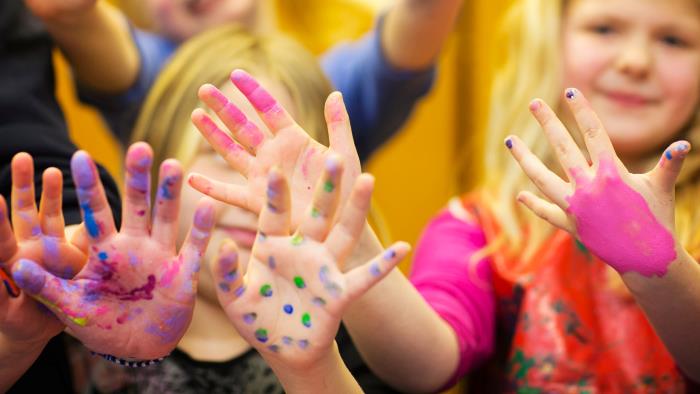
{"x":321,"y":213}
{"x":50,"y":206}
{"x":275,"y":216}
{"x":196,"y":242}
{"x":270,"y":111}
{"x":230,"y":150}
{"x":25,"y":218}
{"x":546,"y":210}
{"x":56,"y":293}
{"x":666,"y":171}
{"x":594,"y":134}
{"x":136,"y":212}
{"x":243,"y":130}
{"x":9,"y":284}
{"x":225,"y":269}
{"x":344,"y":235}
{"x":548,"y":182}
{"x":80,"y":238}
{"x":8,"y":243}
{"x":339,"y":129}
{"x":566,"y":150}
{"x":228,"y":193}
{"x":167,"y":207}
{"x":362,"y":278}
{"x":97,"y":214}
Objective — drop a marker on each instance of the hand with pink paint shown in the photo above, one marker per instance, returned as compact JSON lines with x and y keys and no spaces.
{"x":37,"y":235}
{"x":625,"y":219}
{"x":253,"y":152}
{"x":289,"y":299}
{"x":134,"y":297}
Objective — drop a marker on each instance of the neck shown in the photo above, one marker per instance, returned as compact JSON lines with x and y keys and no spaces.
{"x":211,"y":336}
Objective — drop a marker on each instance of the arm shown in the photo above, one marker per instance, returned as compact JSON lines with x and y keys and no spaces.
{"x":415,"y":31}
{"x":626,"y":219}
{"x":457,"y":312}
{"x":16,"y":358}
{"x":96,"y":40}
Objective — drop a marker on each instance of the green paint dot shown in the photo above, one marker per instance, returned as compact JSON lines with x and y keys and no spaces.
{"x":315,"y":212}
{"x":297,"y":239}
{"x":299,"y":282}
{"x":266,"y":290}
{"x":306,"y":320}
{"x":261,"y":335}
{"x":328,"y":186}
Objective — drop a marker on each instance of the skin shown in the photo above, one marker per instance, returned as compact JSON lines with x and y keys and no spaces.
{"x":639,"y":71}
{"x":662,"y":281}
{"x":134,"y":297}
{"x":287,"y":147}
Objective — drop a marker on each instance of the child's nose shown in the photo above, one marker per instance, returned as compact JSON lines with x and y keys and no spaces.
{"x":635,"y":57}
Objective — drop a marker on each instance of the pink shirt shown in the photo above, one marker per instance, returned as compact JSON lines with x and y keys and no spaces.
{"x":460,"y":292}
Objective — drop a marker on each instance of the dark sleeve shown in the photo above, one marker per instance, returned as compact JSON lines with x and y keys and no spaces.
{"x":378,"y":96}
{"x":30,"y":118}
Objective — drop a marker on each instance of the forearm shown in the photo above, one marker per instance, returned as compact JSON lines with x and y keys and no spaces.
{"x":99,"y":47}
{"x":415,"y":31}
{"x":402,"y":339}
{"x":327,"y":375}
{"x":15,"y":360}
{"x":672,"y":305}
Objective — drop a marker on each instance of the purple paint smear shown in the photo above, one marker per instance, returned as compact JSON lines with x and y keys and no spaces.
{"x":615,"y":223}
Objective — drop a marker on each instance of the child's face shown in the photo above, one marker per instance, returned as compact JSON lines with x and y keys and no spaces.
{"x":231,"y":222}
{"x":638,"y":62}
{"x":182,"y":19}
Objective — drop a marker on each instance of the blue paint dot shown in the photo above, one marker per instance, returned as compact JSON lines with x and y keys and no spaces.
{"x":224,"y":287}
{"x":570,"y":93}
{"x":375,"y":270}
{"x":303,"y":343}
{"x":509,"y":143}
{"x":90,"y":223}
{"x":669,"y":156}
{"x":102,"y":256}
{"x":287,"y":340}
{"x":288,"y":309}
{"x":271,"y":262}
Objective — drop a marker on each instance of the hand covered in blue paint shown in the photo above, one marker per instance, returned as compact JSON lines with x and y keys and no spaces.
{"x":253,"y":152}
{"x":134,"y":297}
{"x":37,"y":235}
{"x":289,"y":299}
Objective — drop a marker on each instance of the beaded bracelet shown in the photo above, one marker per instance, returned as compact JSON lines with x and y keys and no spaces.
{"x":128,"y":363}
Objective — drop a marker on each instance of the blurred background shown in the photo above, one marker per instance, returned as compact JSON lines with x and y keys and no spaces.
{"x":438,"y":153}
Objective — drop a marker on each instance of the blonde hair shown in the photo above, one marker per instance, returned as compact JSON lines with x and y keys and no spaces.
{"x":533,"y":69}
{"x":164,"y":121}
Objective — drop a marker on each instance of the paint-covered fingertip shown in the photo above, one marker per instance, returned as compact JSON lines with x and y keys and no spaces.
{"x":29,"y":276}
{"x":508,"y":142}
{"x":571,"y":93}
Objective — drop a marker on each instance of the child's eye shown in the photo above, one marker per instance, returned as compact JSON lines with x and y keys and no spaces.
{"x":602,"y":29}
{"x":673,"y":41}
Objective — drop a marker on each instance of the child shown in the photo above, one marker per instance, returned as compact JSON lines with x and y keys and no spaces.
{"x":544,"y":310}
{"x":381,"y":76}
{"x":212,"y":355}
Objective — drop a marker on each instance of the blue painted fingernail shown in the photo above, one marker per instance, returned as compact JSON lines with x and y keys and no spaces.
{"x":509,"y":143}
{"x":570,"y":93}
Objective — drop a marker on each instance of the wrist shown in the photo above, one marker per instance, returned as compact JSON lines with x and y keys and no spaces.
{"x":639,"y":284}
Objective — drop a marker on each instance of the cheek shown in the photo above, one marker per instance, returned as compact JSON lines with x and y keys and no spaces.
{"x":583,"y":62}
{"x":681,"y":88}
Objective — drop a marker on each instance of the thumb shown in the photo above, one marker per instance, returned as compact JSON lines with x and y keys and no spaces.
{"x":666,"y":171}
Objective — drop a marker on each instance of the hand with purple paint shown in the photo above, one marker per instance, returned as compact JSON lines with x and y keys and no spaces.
{"x":253,"y":152}
{"x":134,"y":297}
{"x":289,"y":299}
{"x":625,"y":219}
{"x":37,"y":235}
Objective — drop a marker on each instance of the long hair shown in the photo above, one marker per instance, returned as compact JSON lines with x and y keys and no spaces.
{"x":164,"y":121}
{"x":532,"y":30}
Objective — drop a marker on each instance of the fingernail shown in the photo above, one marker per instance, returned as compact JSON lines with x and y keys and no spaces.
{"x":570,"y":93}
{"x":82,"y":170}
{"x":509,"y":143}
{"x":535,"y":105}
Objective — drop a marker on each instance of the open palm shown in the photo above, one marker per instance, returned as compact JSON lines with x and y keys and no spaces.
{"x":253,"y":153}
{"x":37,"y":235}
{"x":289,"y":300}
{"x":134,"y":298}
{"x":625,"y":219}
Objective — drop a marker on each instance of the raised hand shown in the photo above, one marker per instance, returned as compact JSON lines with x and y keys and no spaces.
{"x":287,"y":146}
{"x":625,"y":219}
{"x":135,"y":296}
{"x":37,"y":235}
{"x":289,"y":299}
